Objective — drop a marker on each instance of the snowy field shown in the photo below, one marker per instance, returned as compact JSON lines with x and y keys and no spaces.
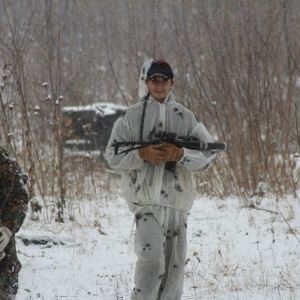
{"x":233,"y":252}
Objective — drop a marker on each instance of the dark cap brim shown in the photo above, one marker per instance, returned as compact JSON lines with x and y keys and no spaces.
{"x":159,"y":75}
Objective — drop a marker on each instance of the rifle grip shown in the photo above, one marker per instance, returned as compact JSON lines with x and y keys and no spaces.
{"x":116,"y":149}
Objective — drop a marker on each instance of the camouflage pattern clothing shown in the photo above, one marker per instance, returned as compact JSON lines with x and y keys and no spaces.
{"x":13,"y":208}
{"x":160,"y":195}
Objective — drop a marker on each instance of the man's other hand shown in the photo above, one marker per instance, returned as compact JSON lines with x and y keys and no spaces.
{"x":173,"y":153}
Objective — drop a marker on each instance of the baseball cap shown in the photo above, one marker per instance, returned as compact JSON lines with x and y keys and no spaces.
{"x":160,"y":68}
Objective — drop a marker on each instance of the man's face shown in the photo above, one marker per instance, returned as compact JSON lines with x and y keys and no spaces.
{"x":159,"y":87}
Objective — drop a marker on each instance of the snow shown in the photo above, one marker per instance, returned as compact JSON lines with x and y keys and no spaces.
{"x":233,"y":252}
{"x":102,"y":108}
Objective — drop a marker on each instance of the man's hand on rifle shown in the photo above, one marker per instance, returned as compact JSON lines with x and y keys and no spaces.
{"x":160,"y":153}
{"x":5,"y":235}
{"x":173,"y":153}
{"x":154,"y":154}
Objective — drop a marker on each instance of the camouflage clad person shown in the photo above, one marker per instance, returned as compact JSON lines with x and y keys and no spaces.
{"x":13,"y":207}
{"x":157,"y":181}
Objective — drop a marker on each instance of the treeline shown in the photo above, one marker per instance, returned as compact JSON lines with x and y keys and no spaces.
{"x":236,"y":66}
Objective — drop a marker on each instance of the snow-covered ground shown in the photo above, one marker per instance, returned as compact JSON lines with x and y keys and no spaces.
{"x":233,"y":252}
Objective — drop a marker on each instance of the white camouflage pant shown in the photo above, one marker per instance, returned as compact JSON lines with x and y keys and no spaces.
{"x":160,"y":246}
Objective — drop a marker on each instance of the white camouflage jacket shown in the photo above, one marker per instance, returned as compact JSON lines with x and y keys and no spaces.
{"x":146,"y":184}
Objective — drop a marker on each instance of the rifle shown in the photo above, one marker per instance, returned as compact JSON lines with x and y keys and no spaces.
{"x":169,"y":137}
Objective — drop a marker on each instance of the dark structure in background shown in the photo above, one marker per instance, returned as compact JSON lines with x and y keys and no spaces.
{"x":88,"y":128}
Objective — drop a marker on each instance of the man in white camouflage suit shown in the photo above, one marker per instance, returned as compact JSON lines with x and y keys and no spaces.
{"x":157,"y":181}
